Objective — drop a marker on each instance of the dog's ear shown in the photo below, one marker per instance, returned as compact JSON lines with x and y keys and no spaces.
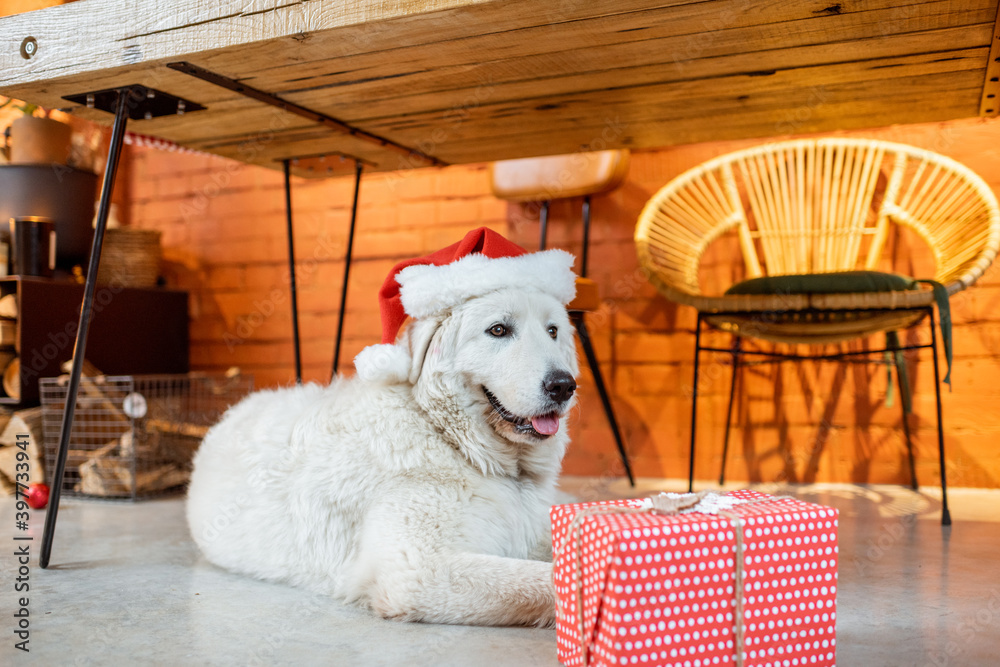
{"x":419,"y":335}
{"x":432,"y":343}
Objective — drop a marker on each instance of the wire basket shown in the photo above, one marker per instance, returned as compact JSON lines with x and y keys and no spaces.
{"x":134,"y":437}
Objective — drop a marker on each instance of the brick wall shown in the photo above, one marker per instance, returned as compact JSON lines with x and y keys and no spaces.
{"x":224,"y":240}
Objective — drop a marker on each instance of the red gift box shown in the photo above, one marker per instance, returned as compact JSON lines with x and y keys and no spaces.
{"x":635,"y":587}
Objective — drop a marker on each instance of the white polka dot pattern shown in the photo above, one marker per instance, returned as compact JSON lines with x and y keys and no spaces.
{"x":659,"y":590}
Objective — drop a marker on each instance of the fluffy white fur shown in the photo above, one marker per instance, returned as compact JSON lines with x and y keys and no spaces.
{"x":414,"y":497}
{"x":426,"y":290}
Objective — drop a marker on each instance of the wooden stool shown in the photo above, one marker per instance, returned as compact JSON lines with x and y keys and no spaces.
{"x":561,"y":177}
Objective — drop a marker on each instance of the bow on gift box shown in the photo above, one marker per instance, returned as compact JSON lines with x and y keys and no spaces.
{"x":665,"y":504}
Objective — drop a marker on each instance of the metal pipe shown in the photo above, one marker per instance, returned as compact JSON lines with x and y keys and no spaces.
{"x":347,"y":268}
{"x":586,"y":236}
{"x":694,"y":402}
{"x":80,"y":348}
{"x":297,"y":343}
{"x":729,"y":411}
{"x":543,"y":225}
{"x":945,"y":513}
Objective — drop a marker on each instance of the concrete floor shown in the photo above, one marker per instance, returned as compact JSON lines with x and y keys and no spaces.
{"x":127,"y":587}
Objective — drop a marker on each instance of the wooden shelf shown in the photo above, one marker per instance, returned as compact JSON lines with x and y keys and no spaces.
{"x":133,"y":331}
{"x":481,"y":80}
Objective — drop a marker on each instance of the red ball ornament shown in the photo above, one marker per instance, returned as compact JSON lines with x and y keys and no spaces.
{"x":37,"y":496}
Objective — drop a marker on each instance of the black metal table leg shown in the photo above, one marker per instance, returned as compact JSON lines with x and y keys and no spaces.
{"x":296,"y":341}
{"x":945,"y":514}
{"x":80,"y":348}
{"x":347,"y":269}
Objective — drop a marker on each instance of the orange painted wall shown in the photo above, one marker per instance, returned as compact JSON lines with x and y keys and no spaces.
{"x":223,"y":235}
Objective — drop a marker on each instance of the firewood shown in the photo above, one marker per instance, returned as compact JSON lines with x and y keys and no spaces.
{"x":89,"y":369}
{"x":144,"y":446}
{"x":12,"y":379}
{"x":91,"y":393}
{"x":27,"y":421}
{"x":185,"y":429}
{"x":8,"y":306}
{"x":113,"y":477}
{"x":8,"y":333}
{"x":23,"y":422}
{"x":7,"y":356}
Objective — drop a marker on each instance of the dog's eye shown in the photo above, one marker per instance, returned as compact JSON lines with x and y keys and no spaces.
{"x":553,"y":332}
{"x":498,"y":330}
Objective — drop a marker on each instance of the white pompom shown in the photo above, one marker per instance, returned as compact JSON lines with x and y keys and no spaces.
{"x":388,"y":364}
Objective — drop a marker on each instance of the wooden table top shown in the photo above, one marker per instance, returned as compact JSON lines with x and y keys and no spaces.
{"x":480,"y":80}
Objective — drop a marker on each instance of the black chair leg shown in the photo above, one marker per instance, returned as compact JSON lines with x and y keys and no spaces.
{"x":694,"y":403}
{"x":903,"y":384}
{"x":588,"y":350}
{"x":729,"y":411}
{"x":585,"y":251}
{"x":543,"y":226}
{"x":945,"y":514}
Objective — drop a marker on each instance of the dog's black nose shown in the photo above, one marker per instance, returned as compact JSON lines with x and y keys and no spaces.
{"x":559,"y":385}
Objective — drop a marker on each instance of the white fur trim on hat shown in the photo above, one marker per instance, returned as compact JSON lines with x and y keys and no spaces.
{"x":389,"y":364}
{"x":426,"y":289}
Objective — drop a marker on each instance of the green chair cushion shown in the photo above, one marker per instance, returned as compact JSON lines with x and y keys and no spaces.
{"x":840,"y":282}
{"x":843,"y":282}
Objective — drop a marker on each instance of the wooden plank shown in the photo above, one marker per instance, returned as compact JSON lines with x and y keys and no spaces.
{"x":74,"y":39}
{"x":783,"y":99}
{"x":789,"y":88}
{"x":384,"y":101}
{"x":782,"y":85}
{"x":484,"y":79}
{"x":841,"y":109}
{"x":989,"y":102}
{"x":662,"y":37}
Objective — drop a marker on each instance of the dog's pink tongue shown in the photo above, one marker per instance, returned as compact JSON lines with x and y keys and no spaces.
{"x":547,"y":425}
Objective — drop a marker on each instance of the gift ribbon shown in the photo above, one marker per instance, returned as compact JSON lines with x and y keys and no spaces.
{"x":664,"y":505}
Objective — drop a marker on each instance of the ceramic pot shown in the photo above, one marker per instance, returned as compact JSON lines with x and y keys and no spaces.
{"x":39,"y":141}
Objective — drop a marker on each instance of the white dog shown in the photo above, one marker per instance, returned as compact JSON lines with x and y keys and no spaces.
{"x":420,"y":488}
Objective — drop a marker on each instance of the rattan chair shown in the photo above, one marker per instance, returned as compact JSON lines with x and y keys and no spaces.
{"x":819,"y":206}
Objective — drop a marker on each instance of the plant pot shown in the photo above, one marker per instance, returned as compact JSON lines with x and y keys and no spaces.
{"x":39,"y":141}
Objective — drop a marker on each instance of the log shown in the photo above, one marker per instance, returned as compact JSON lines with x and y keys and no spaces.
{"x":8,"y":333}
{"x":109,"y":476}
{"x":185,"y":429}
{"x":90,"y":389}
{"x":23,"y":422}
{"x":144,"y":446}
{"x":12,"y":379}
{"x":8,"y":306}
{"x":89,"y":369}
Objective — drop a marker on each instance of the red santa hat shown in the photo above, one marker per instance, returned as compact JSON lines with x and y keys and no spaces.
{"x":482,"y":262}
